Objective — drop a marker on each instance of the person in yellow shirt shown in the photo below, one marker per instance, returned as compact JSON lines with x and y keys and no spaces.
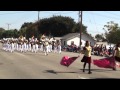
{"x":116,"y":54}
{"x":87,"y":56}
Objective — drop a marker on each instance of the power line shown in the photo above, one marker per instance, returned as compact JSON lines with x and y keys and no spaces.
{"x":12,"y":13}
{"x":95,"y":24}
{"x":92,"y":23}
{"x":112,"y":13}
{"x":104,"y":16}
{"x":29,"y":17}
{"x":21,"y":18}
{"x":60,"y":12}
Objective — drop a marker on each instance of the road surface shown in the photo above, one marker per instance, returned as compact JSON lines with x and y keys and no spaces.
{"x":30,"y":65}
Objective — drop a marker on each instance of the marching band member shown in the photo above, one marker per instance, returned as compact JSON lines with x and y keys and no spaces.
{"x":33,"y":46}
{"x":24,"y":46}
{"x":41,"y":46}
{"x":46,"y":47}
{"x":12,"y":46}
{"x":55,"y":47}
{"x":50,"y":47}
{"x":43,"y":42}
{"x":29,"y":46}
{"x":7,"y":46}
{"x":17,"y":46}
{"x":59,"y":47}
{"x":36,"y":46}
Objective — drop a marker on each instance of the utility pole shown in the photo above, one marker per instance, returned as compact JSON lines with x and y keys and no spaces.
{"x":80,"y":18}
{"x":38,"y":15}
{"x":25,"y":32}
{"x":38,"y":23}
{"x":8,"y":25}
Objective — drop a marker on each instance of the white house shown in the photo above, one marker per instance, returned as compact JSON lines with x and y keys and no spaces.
{"x":75,"y":38}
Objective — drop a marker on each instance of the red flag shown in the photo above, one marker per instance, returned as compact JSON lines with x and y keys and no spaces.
{"x":105,"y":62}
{"x":67,"y":61}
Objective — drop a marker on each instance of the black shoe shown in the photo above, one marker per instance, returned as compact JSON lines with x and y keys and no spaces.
{"x":114,"y":69}
{"x":89,"y":72}
{"x":83,"y":70}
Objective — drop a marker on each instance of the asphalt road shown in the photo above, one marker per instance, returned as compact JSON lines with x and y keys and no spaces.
{"x":30,"y":65}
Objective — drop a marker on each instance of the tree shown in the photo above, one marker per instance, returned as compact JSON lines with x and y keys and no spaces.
{"x":26,"y":24}
{"x":23,"y":29}
{"x":76,"y":28}
{"x":2,"y":29}
{"x":114,"y":37}
{"x":111,"y":27}
{"x":98,"y":37}
{"x":16,"y":34}
{"x":56,"y":25}
{"x":112,"y":31}
{"x":1,"y":32}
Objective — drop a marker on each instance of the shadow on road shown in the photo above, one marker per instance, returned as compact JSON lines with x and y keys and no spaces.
{"x":55,"y":72}
{"x":99,"y":70}
{"x":50,"y":71}
{"x":33,"y":54}
{"x":1,"y":63}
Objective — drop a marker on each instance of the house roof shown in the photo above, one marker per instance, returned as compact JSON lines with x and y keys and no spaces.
{"x":72,"y":35}
{"x":58,"y":38}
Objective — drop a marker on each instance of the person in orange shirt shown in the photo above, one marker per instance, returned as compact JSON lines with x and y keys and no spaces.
{"x":87,"y":56}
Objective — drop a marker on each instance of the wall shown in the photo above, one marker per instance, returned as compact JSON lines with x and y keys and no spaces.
{"x":86,"y":38}
{"x":77,"y":40}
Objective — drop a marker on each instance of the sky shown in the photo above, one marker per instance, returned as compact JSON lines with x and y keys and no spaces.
{"x":94,"y":20}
